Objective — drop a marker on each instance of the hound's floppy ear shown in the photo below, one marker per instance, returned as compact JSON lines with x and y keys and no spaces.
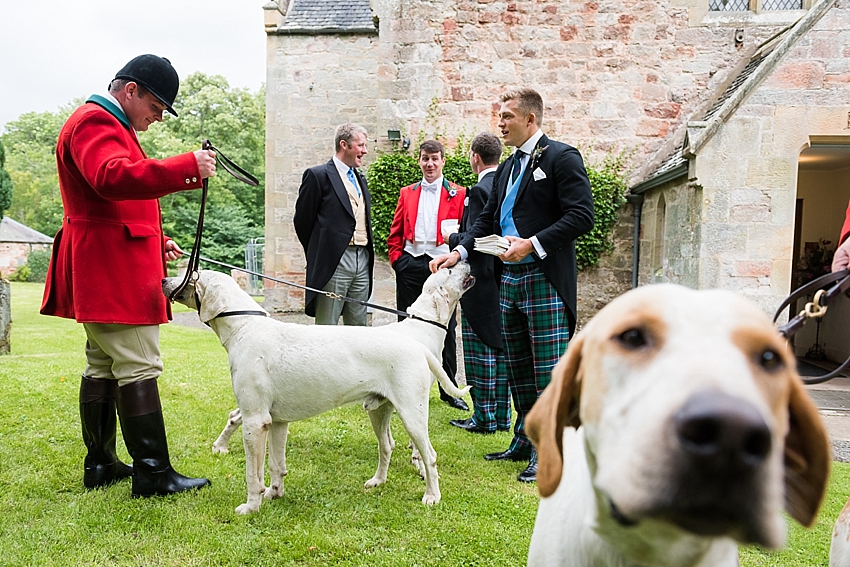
{"x":212,"y":300}
{"x":556,"y":409}
{"x":442,"y":304}
{"x":807,"y":457}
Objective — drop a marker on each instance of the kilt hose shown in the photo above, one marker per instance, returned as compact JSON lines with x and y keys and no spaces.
{"x":485,"y":372}
{"x":535,"y":333}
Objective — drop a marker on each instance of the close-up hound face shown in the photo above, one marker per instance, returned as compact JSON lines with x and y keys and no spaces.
{"x":693,"y":416}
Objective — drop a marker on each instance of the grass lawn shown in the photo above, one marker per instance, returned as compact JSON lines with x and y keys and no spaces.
{"x":325,"y":517}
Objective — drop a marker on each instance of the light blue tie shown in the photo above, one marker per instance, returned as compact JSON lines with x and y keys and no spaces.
{"x":353,"y":180}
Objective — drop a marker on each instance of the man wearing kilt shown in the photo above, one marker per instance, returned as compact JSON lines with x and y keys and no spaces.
{"x":481,"y":326}
{"x":541,"y":203}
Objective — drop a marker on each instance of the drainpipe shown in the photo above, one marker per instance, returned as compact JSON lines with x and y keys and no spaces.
{"x":637,"y":205}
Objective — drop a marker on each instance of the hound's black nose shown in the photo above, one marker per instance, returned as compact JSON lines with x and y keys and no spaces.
{"x":723,"y":432}
{"x":164,"y":280}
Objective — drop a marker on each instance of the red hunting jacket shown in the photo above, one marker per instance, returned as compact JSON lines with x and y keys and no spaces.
{"x":109,"y":256}
{"x":404,"y":221}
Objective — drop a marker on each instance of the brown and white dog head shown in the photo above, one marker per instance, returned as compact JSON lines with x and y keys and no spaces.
{"x":693,"y":416}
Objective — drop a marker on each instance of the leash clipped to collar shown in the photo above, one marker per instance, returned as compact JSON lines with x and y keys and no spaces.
{"x":194,"y":258}
{"x":826,"y":289}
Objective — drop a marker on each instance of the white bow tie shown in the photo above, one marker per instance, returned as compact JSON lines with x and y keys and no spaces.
{"x":432,"y":187}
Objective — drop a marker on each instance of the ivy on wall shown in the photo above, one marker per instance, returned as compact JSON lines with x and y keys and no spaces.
{"x":391,"y":171}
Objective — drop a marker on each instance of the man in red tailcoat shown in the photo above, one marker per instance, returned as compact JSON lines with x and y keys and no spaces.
{"x":416,"y":236}
{"x":107,"y":266}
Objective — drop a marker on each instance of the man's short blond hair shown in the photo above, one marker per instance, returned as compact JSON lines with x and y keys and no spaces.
{"x":528,"y":101}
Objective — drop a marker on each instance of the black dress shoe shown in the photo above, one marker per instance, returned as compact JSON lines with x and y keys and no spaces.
{"x":506,"y":456}
{"x":529,"y":474}
{"x":456,"y":403}
{"x":470,"y":425}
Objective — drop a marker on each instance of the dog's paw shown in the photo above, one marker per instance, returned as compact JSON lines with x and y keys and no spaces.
{"x":219,"y":449}
{"x":247,"y":508}
{"x":274,"y":491}
{"x":374,"y":481}
{"x":431,"y":499}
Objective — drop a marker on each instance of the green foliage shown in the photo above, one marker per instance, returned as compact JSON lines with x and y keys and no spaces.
{"x":22,"y":274}
{"x":5,"y":183}
{"x":37,"y":262}
{"x":31,"y":162}
{"x":393,"y":170}
{"x":386,"y":176}
{"x":608,"y":183}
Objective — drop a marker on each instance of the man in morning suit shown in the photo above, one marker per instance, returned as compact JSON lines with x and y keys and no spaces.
{"x":415,"y":237}
{"x":333,"y":223}
{"x":481,"y":326}
{"x":541,"y":203}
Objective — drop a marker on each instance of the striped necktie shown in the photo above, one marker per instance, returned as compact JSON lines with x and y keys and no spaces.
{"x":517,"y":165}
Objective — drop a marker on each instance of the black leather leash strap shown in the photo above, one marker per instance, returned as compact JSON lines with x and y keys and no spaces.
{"x":236,"y":172}
{"x":826,"y":289}
{"x":326,"y":293}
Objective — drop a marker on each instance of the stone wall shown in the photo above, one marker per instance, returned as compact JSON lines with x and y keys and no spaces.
{"x":13,"y":255}
{"x":614,"y":74}
{"x":749,"y":169}
{"x":314,"y":84}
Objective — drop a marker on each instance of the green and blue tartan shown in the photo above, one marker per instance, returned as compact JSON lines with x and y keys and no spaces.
{"x":485,"y":372}
{"x":535,"y":333}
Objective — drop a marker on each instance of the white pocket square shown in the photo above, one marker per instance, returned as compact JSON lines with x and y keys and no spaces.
{"x":539,"y":174}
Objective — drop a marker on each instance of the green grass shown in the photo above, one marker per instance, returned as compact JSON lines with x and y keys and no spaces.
{"x":325,"y":517}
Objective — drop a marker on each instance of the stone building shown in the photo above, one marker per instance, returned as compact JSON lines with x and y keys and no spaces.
{"x":16,"y":242}
{"x":716,"y":100}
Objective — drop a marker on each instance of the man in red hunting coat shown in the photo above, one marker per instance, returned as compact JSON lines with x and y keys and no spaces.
{"x":415,"y":238}
{"x":107,"y":266}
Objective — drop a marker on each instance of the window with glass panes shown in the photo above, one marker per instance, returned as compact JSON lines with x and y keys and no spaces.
{"x":746,"y":5}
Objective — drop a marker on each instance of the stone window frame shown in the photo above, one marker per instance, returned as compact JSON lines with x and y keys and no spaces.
{"x":699,"y":15}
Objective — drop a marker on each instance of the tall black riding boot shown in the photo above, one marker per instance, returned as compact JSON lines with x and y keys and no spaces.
{"x":101,"y":466}
{"x":144,"y":433}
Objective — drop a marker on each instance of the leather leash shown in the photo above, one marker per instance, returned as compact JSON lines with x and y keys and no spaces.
{"x":326,"y":293}
{"x":237,"y":172}
{"x":826,"y":289}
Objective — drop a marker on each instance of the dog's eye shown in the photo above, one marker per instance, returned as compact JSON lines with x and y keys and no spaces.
{"x":632,"y":339}
{"x":770,"y":360}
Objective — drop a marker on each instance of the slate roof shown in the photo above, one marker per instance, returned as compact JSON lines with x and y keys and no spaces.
{"x":13,"y":231}
{"x":328,"y":16}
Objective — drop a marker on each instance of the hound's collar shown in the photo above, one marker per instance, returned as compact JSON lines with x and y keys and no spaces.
{"x":436,"y":324}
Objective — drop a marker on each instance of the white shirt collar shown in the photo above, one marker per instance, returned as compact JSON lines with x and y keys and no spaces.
{"x":432,"y":186}
{"x":341,"y":167}
{"x":481,"y":174}
{"x":531,"y":143}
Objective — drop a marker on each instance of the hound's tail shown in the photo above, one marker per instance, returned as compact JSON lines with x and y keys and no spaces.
{"x":437,"y":370}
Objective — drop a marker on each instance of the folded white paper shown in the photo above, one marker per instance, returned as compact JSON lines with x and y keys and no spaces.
{"x":494,"y":244}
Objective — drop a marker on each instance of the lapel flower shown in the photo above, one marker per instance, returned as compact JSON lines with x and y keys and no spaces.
{"x":452,"y":193}
{"x":535,"y":155}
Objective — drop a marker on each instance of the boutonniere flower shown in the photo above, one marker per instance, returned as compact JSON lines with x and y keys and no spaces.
{"x":452,"y":193}
{"x":535,"y":155}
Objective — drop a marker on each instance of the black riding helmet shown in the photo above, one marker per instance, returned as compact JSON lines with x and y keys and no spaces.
{"x":155,"y":74}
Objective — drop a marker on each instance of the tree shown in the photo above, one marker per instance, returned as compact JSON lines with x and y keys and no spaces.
{"x":5,"y":183}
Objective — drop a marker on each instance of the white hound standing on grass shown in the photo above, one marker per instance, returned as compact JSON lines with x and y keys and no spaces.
{"x":675,"y":427}
{"x":284,"y":372}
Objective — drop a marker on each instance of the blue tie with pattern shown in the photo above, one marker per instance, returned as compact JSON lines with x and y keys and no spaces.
{"x":353,"y":180}
{"x":517,"y":165}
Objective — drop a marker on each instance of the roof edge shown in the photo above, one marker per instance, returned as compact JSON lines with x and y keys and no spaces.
{"x":802,"y":26}
{"x":652,"y":182}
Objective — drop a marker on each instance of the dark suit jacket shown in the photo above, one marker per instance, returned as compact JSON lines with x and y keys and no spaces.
{"x":481,"y":303}
{"x":324,"y":222}
{"x":557,"y":209}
